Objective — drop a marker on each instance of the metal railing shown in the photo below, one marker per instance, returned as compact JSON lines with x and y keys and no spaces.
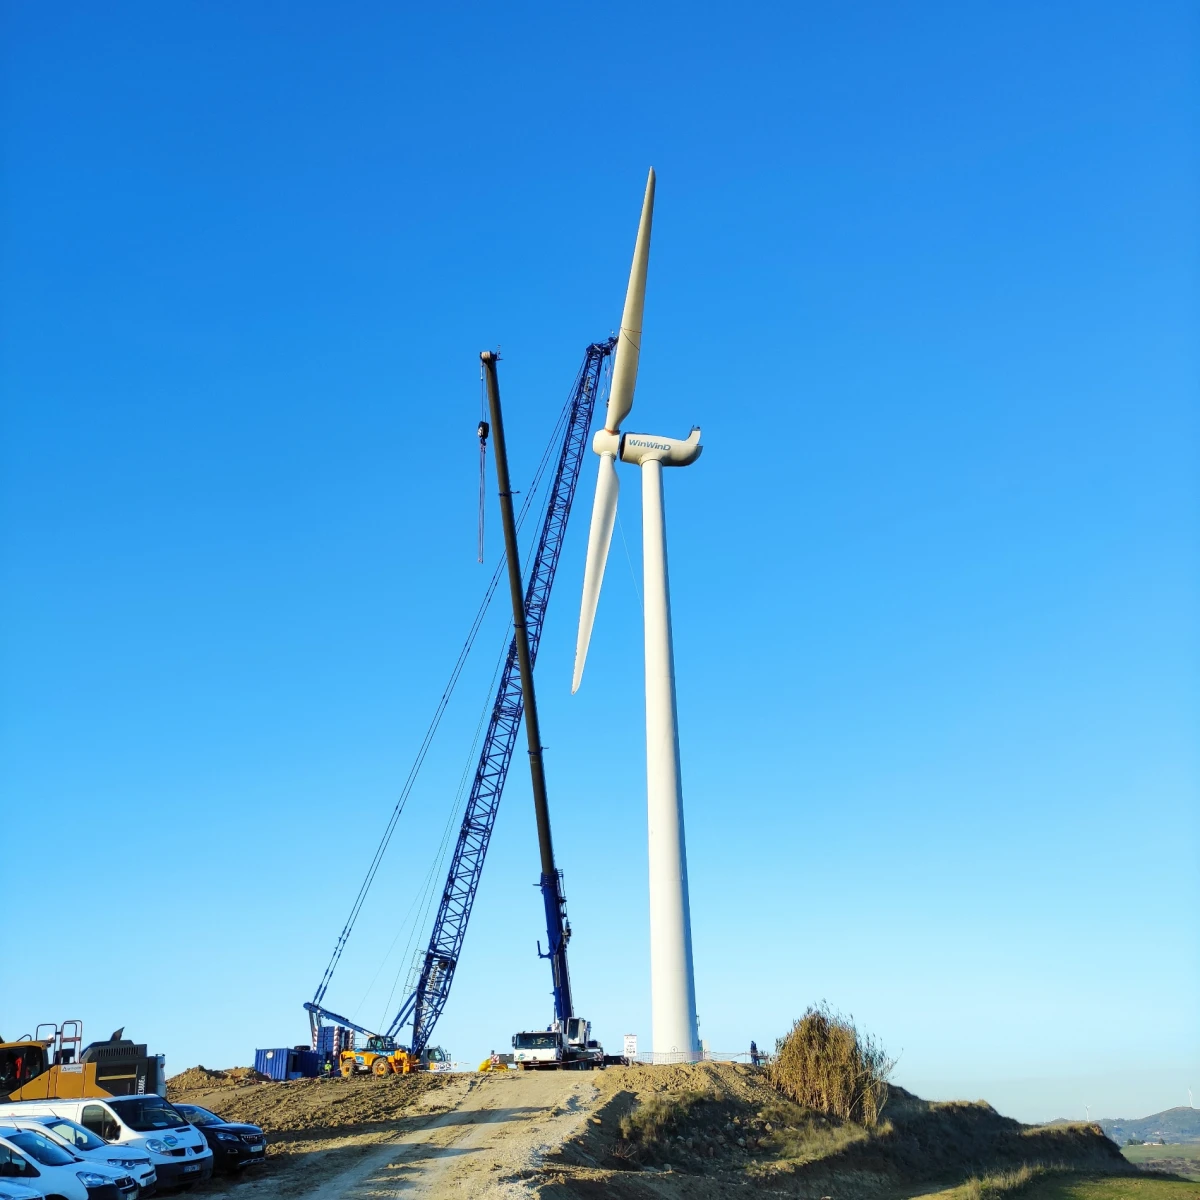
{"x":669,"y":1057}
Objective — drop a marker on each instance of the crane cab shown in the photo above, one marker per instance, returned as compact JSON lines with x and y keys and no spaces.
{"x":548,"y":1049}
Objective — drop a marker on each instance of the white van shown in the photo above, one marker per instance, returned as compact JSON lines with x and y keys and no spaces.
{"x":148,"y":1124}
{"x":32,"y":1157}
{"x":86,"y":1144}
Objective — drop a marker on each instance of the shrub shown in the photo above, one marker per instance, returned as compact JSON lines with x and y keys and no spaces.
{"x":824,"y":1063}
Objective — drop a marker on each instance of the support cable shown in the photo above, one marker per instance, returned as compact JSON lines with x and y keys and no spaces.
{"x":482,"y":432}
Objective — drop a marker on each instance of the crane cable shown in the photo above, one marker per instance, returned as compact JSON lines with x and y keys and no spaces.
{"x":482,"y":432}
{"x":436,"y":720}
{"x":416,"y":959}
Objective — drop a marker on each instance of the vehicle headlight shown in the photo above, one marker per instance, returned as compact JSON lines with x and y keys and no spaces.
{"x":155,"y":1145}
{"x":228,"y":1137}
{"x":90,"y":1179}
{"x":128,"y":1164}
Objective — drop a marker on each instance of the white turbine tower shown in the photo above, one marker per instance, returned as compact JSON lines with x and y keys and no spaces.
{"x":672,"y":985}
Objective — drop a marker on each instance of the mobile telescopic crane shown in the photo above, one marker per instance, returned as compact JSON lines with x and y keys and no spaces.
{"x":567,"y":1042}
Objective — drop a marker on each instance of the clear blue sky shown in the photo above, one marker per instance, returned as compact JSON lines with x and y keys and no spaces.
{"x":925,"y":274}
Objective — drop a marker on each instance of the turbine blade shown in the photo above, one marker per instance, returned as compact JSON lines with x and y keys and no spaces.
{"x":629,"y":347}
{"x":604,"y":515}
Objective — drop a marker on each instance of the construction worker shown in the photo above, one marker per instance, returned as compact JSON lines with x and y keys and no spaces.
{"x":755,"y":1057}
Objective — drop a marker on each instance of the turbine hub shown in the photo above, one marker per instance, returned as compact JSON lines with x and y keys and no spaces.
{"x":606,"y":442}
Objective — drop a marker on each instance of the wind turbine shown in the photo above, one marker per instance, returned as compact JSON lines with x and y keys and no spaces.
{"x":672,"y":983}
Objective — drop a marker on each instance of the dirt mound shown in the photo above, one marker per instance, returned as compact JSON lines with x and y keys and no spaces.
{"x":308,"y":1109}
{"x":696,"y":1130}
{"x":203,"y":1077}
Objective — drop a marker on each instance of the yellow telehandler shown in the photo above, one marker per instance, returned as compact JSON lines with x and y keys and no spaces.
{"x":380,"y":1057}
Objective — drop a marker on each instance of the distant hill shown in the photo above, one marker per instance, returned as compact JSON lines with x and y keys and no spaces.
{"x":1174,"y":1125}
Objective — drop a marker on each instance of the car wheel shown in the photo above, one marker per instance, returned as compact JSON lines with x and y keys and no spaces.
{"x":347,"y":1068}
{"x":381,"y":1067}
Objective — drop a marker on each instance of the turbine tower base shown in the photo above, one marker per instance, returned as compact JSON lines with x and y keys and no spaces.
{"x":672,"y":983}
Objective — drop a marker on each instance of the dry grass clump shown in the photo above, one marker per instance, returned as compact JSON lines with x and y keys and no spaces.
{"x":825,"y":1064}
{"x":660,"y":1116}
{"x":1002,"y":1184}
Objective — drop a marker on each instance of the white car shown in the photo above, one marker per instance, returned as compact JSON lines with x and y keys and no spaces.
{"x":30,"y":1157}
{"x":86,"y":1144}
{"x":145,"y":1124}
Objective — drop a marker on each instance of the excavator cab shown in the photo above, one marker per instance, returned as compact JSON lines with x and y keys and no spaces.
{"x":19,"y":1063}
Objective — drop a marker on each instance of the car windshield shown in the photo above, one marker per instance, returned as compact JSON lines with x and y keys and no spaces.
{"x":199,"y":1116}
{"x":80,"y":1138}
{"x":144,"y":1113}
{"x":40,"y":1148}
{"x":536,"y":1041}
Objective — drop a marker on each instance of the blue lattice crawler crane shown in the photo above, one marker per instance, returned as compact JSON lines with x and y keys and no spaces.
{"x":567,"y":1042}
{"x":426,"y":1001}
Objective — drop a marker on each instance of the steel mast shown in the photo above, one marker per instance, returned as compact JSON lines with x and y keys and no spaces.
{"x":558,"y":929}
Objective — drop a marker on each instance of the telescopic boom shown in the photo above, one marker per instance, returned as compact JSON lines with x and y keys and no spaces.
{"x":558,"y":930}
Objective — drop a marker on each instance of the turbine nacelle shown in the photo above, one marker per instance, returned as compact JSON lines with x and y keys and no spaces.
{"x":638,"y":448}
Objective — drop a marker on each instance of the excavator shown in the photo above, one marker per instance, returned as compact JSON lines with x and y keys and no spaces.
{"x":52,"y":1063}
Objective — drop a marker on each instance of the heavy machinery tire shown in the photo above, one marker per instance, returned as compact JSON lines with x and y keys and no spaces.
{"x":347,"y":1068}
{"x":381,"y":1067}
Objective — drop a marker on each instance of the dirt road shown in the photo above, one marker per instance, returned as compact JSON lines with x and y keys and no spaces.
{"x":487,"y":1145}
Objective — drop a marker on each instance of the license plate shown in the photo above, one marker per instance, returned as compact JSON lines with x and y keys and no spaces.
{"x":191,"y":1167}
{"x":256,"y":1149}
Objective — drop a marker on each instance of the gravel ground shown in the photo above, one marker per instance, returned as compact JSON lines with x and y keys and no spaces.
{"x":466,"y":1135}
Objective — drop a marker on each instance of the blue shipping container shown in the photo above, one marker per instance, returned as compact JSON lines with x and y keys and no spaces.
{"x":276,"y":1064}
{"x":286,"y":1063}
{"x":308,"y":1063}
